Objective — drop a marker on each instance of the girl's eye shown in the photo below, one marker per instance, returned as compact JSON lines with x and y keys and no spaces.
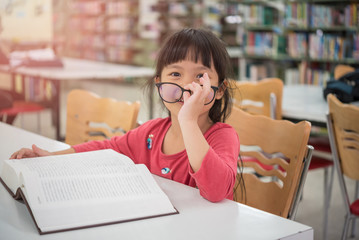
{"x":175,"y":74}
{"x":200,"y":75}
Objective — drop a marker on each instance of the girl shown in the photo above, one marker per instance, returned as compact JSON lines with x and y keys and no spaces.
{"x":192,"y":146}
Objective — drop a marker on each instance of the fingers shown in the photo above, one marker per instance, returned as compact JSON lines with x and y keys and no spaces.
{"x":195,"y":89}
{"x":201,"y":89}
{"x":186,"y":95}
{"x":22,"y":153}
{"x":205,"y":81}
{"x":14,"y":155}
{"x":35,"y":151}
{"x":39,"y":151}
{"x":206,"y":84}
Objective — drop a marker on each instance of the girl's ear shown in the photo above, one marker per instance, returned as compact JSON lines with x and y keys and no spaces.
{"x":157,"y":79}
{"x":222,"y":89}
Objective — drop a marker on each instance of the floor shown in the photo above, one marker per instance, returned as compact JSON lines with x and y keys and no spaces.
{"x":310,"y":210}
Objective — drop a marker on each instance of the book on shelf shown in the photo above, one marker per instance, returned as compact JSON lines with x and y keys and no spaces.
{"x":80,"y":190}
{"x":257,"y":72}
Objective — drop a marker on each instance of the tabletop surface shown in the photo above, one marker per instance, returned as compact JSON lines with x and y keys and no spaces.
{"x":197,"y":218}
{"x":304,"y":102}
{"x":77,"y":69}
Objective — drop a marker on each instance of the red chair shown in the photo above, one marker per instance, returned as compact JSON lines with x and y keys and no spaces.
{"x":20,"y":107}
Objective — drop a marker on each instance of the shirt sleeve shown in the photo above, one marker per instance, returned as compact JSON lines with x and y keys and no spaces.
{"x":98,"y":145}
{"x":217,"y":175}
{"x":123,"y":144}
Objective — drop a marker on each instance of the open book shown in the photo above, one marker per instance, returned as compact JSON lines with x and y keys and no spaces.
{"x":66,"y":192}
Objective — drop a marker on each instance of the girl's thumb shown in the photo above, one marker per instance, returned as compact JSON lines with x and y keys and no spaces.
{"x":38,"y":151}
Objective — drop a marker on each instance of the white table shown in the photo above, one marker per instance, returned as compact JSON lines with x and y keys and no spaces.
{"x":304,"y":102}
{"x":197,"y":218}
{"x":79,"y":69}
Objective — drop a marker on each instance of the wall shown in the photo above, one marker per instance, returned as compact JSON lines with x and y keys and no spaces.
{"x":25,"y":20}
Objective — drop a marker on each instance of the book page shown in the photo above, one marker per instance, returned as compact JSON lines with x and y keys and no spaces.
{"x":90,"y":188}
{"x":10,"y":175}
{"x":57,"y":177}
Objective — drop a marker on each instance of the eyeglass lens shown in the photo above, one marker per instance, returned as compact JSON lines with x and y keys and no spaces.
{"x":171,"y":93}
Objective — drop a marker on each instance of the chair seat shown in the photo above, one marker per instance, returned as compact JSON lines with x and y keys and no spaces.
{"x":21,"y":107}
{"x":354,"y":207}
{"x":320,"y":143}
{"x":318,"y":162}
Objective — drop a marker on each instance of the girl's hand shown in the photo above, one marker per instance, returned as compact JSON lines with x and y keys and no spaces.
{"x":30,"y":153}
{"x":193,"y":104}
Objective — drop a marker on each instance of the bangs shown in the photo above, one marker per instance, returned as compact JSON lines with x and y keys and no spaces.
{"x":190,"y":52}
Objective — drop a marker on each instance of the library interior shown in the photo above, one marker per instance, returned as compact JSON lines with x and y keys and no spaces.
{"x":73,"y":71}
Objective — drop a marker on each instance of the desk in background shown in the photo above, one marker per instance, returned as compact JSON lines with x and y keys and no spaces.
{"x":77,"y":69}
{"x":304,"y":102}
{"x":197,"y":218}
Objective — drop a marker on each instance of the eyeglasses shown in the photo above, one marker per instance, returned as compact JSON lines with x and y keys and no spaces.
{"x":172,"y":92}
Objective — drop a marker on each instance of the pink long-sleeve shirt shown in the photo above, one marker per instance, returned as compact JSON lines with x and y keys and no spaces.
{"x":215,"y":178}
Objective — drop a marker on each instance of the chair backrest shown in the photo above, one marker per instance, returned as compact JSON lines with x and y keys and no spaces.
{"x":341,"y":70}
{"x":286,"y":144}
{"x":343,"y":128}
{"x":260,"y":98}
{"x":90,"y":117}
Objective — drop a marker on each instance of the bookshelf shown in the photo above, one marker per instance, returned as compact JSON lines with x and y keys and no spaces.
{"x":298,"y":41}
{"x":174,"y":15}
{"x":127,"y":31}
{"x":85,"y":30}
{"x":178,"y":14}
{"x":117,"y":31}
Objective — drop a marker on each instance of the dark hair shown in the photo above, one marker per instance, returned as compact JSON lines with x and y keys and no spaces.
{"x":200,"y":45}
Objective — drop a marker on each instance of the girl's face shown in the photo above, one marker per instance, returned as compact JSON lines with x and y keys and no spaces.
{"x":183,"y":73}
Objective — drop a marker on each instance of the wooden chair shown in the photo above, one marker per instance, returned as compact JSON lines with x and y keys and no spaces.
{"x":263,"y":92}
{"x":263,"y":97}
{"x":321,"y":160}
{"x":90,"y":117}
{"x":343,"y":128}
{"x":286,"y":144}
{"x":341,"y":70}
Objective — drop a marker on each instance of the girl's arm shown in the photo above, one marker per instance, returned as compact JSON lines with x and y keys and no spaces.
{"x":35,"y":151}
{"x":191,"y":118}
{"x":195,"y":144}
{"x":216,"y":177}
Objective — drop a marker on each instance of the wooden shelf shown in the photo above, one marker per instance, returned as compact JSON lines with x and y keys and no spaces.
{"x":296,"y":32}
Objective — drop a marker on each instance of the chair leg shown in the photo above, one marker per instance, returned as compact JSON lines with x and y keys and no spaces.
{"x":326,"y":204}
{"x":345,"y":228}
{"x":352,"y":235}
{"x":328,"y":185}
